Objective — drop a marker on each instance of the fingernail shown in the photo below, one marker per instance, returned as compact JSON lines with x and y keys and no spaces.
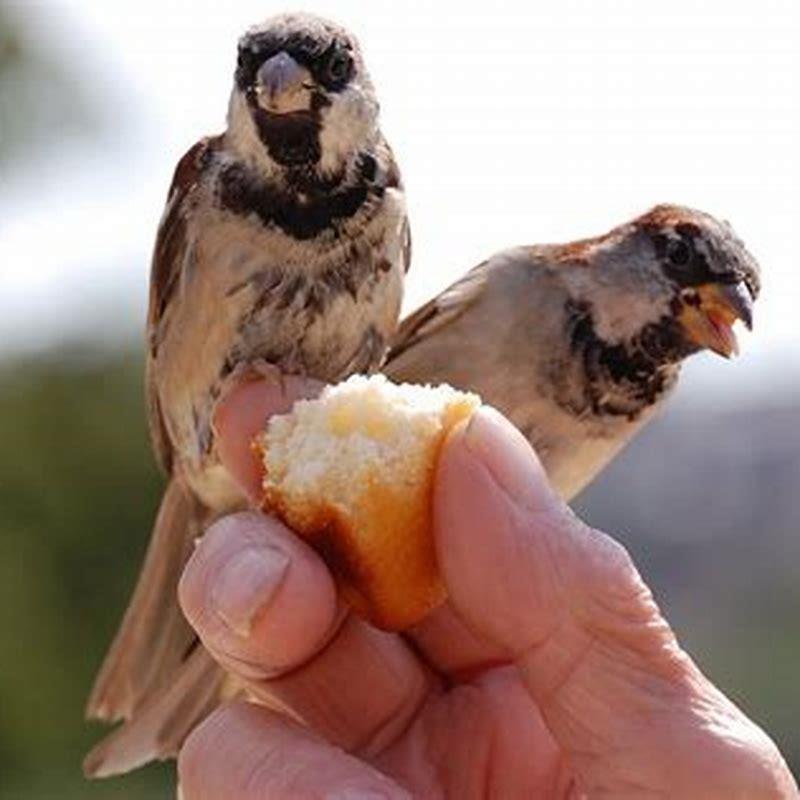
{"x":246,"y":584}
{"x":510,"y":459}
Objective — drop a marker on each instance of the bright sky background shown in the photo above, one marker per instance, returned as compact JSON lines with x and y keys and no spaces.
{"x":513,"y":123}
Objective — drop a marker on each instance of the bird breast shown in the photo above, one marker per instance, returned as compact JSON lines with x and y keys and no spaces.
{"x":248,"y":292}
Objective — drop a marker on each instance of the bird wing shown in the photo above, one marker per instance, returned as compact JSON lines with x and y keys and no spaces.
{"x":153,"y":638}
{"x":439,"y":312}
{"x":168,"y":258}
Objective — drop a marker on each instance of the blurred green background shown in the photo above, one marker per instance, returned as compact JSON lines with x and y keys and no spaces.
{"x":78,"y":490}
{"x":706,"y":499}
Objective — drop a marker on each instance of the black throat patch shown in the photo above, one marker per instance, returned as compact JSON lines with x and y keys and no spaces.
{"x":291,"y":139}
{"x":623,"y":379}
{"x":306,"y":206}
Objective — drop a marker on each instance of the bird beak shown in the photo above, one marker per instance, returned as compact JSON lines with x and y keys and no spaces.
{"x":710,"y":311}
{"x":280,"y":81}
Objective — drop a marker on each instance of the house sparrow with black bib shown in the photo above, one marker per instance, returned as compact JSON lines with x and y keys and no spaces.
{"x":579,"y":345}
{"x":284,"y":240}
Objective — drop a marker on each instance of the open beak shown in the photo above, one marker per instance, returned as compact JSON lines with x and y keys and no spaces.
{"x":710,"y":311}
{"x":280,"y":83}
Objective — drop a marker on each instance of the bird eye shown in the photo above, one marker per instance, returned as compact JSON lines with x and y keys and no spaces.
{"x":679,"y":252}
{"x":339,"y":67}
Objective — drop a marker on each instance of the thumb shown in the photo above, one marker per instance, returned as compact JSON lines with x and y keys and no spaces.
{"x":591,"y":646}
{"x":527,"y":574}
{"x":506,"y":543}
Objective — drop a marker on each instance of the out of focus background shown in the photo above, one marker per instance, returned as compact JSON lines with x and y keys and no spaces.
{"x":514,"y":123}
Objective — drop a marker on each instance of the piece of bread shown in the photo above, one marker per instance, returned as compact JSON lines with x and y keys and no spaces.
{"x":352,"y":473}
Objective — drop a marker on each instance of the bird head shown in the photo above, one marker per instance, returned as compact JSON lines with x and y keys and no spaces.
{"x":712,"y":278}
{"x":302,"y":97}
{"x":673,"y":270}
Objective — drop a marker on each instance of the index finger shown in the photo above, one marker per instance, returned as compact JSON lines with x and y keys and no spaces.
{"x":243,"y":412}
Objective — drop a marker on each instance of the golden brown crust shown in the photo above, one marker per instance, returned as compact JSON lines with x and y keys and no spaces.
{"x":383,"y":562}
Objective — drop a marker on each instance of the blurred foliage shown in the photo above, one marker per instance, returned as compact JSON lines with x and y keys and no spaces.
{"x":40,"y":99}
{"x":78,"y":491}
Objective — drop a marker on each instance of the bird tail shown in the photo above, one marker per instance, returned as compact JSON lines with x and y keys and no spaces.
{"x":163,"y":721}
{"x":155,"y":674}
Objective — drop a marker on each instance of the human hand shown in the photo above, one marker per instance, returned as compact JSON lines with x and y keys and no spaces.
{"x":550,"y":671}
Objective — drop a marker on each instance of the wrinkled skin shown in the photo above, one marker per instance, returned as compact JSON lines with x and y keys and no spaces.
{"x":549,"y":673}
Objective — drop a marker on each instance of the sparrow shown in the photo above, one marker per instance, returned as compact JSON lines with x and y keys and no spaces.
{"x":284,"y":241}
{"x":580,"y":344}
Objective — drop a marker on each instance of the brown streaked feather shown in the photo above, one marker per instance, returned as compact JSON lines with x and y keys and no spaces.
{"x":168,"y":256}
{"x":162,"y":724}
{"x":394,"y":180}
{"x":669,"y":215}
{"x":153,"y":638}
{"x":406,"y":246}
{"x":159,"y":437}
{"x":171,"y":239}
{"x":369,"y":356}
{"x":439,"y":312}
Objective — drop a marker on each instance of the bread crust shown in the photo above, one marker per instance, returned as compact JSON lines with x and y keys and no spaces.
{"x":380,"y":546}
